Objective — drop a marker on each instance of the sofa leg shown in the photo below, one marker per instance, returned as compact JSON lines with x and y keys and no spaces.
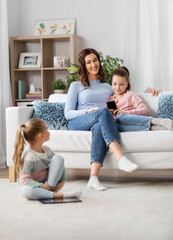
{"x":12,"y":174}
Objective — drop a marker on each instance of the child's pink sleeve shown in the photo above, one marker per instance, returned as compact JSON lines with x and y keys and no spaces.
{"x":139,"y":108}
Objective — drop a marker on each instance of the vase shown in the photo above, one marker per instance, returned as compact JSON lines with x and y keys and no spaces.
{"x":59,"y":91}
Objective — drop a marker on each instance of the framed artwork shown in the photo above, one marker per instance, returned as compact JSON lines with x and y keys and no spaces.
{"x":56,"y":26}
{"x":30,"y":60}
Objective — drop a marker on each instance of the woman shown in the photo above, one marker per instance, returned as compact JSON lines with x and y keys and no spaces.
{"x":85,"y":109}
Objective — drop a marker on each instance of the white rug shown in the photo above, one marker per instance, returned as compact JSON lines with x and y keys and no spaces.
{"x":127,"y":211}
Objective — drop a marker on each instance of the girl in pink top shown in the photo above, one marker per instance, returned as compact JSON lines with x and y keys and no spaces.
{"x":131,"y":113}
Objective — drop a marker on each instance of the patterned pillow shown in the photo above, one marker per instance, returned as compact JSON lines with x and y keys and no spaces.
{"x":51,"y":113}
{"x":165,"y":106}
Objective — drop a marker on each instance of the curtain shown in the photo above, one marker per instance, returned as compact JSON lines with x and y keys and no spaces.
{"x":5,"y":91}
{"x":147,"y":44}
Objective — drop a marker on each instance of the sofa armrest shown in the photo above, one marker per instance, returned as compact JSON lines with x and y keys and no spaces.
{"x":15,"y":116}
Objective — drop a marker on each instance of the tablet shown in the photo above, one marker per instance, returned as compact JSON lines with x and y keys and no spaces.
{"x":57,"y":200}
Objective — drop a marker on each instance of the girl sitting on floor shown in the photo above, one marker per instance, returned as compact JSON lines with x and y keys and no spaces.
{"x":42,"y":172}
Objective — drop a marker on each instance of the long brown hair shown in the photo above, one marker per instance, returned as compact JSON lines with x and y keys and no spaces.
{"x":82,"y":72}
{"x":123,"y":72}
{"x":26,"y":132}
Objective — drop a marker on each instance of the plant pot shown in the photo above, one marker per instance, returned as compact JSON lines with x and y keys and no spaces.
{"x":59,"y":91}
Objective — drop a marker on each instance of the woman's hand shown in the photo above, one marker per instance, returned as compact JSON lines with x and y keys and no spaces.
{"x":92,"y":109}
{"x":153,"y":91}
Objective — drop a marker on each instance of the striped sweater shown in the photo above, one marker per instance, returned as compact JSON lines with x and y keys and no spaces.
{"x":35,"y":167}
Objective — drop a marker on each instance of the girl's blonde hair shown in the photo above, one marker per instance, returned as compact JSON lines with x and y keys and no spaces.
{"x":123,"y":72}
{"x":26,"y":132}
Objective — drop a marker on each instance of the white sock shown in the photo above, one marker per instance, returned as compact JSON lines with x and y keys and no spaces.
{"x":73,"y":193}
{"x":126,"y":165}
{"x":95,"y":184}
{"x":157,"y":127}
{"x":164,"y":122}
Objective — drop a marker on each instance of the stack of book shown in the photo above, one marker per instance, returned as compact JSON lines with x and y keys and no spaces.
{"x":34,"y":96}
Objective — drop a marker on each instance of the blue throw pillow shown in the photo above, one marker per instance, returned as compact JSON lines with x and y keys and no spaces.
{"x":51,"y":113}
{"x":165,"y":106}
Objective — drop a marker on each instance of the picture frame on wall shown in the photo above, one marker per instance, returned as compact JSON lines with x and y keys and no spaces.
{"x":54,"y":26}
{"x":30,"y":60}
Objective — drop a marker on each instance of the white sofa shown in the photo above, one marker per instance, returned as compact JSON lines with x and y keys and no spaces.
{"x":149,"y":149}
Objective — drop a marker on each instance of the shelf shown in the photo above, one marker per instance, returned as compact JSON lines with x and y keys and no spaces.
{"x":26,"y":69}
{"x":25,"y":100}
{"x":65,"y":45}
{"x":55,"y":68}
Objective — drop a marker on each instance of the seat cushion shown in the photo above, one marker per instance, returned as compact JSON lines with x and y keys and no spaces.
{"x":80,"y":141}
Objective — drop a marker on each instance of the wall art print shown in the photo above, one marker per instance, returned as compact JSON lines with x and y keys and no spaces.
{"x":55,"y":26}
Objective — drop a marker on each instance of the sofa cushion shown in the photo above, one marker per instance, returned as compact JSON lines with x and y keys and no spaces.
{"x":151,"y":102}
{"x":51,"y":113}
{"x":142,"y":141}
{"x":165,"y":105}
{"x":57,"y":97}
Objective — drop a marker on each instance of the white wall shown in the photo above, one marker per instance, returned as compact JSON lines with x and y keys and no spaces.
{"x":95,"y":20}
{"x":109,"y":26}
{"x":13,"y":17}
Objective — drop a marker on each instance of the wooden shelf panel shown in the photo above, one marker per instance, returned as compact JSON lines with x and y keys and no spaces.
{"x":26,"y":69}
{"x":55,"y":68}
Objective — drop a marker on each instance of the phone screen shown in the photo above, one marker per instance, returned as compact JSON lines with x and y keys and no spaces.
{"x":111,"y":105}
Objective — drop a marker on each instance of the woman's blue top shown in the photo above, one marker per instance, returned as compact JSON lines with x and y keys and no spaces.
{"x":80,"y":98}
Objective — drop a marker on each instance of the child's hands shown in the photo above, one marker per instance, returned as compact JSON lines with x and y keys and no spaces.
{"x":118,"y":111}
{"x":111,"y":110}
{"x":59,"y":186}
{"x":54,"y":189}
{"x":46,"y":186}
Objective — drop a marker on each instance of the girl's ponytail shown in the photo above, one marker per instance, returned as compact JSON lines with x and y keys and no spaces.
{"x":19,"y":147}
{"x":26,"y":133}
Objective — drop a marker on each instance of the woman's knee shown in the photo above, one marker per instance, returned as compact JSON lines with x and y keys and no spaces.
{"x":105,"y":110}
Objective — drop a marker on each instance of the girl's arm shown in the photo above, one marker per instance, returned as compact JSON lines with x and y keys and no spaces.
{"x":71,"y":103}
{"x":25,"y":175}
{"x":139,"y":108}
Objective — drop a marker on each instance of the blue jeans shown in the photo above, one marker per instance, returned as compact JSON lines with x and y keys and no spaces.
{"x":129,"y":123}
{"x":104,"y":131}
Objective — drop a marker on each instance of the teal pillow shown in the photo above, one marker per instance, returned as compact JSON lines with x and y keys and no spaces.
{"x":51,"y":113}
{"x":165,"y":106}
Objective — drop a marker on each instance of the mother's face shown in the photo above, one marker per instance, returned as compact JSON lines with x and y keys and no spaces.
{"x":92,"y":64}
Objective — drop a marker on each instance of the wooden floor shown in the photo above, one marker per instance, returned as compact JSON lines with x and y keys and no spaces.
{"x":4,"y":173}
{"x":112,"y":175}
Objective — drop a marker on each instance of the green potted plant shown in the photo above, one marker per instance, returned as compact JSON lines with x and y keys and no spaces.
{"x":109,"y":65}
{"x":59,"y":86}
{"x":73,"y":74}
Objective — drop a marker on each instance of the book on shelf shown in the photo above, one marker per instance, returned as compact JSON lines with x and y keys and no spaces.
{"x":34,"y":96}
{"x":23,"y":104}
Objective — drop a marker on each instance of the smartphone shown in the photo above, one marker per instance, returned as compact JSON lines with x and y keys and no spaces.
{"x":111,"y":105}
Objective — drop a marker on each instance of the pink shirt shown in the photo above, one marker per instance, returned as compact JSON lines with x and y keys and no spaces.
{"x":131,"y":103}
